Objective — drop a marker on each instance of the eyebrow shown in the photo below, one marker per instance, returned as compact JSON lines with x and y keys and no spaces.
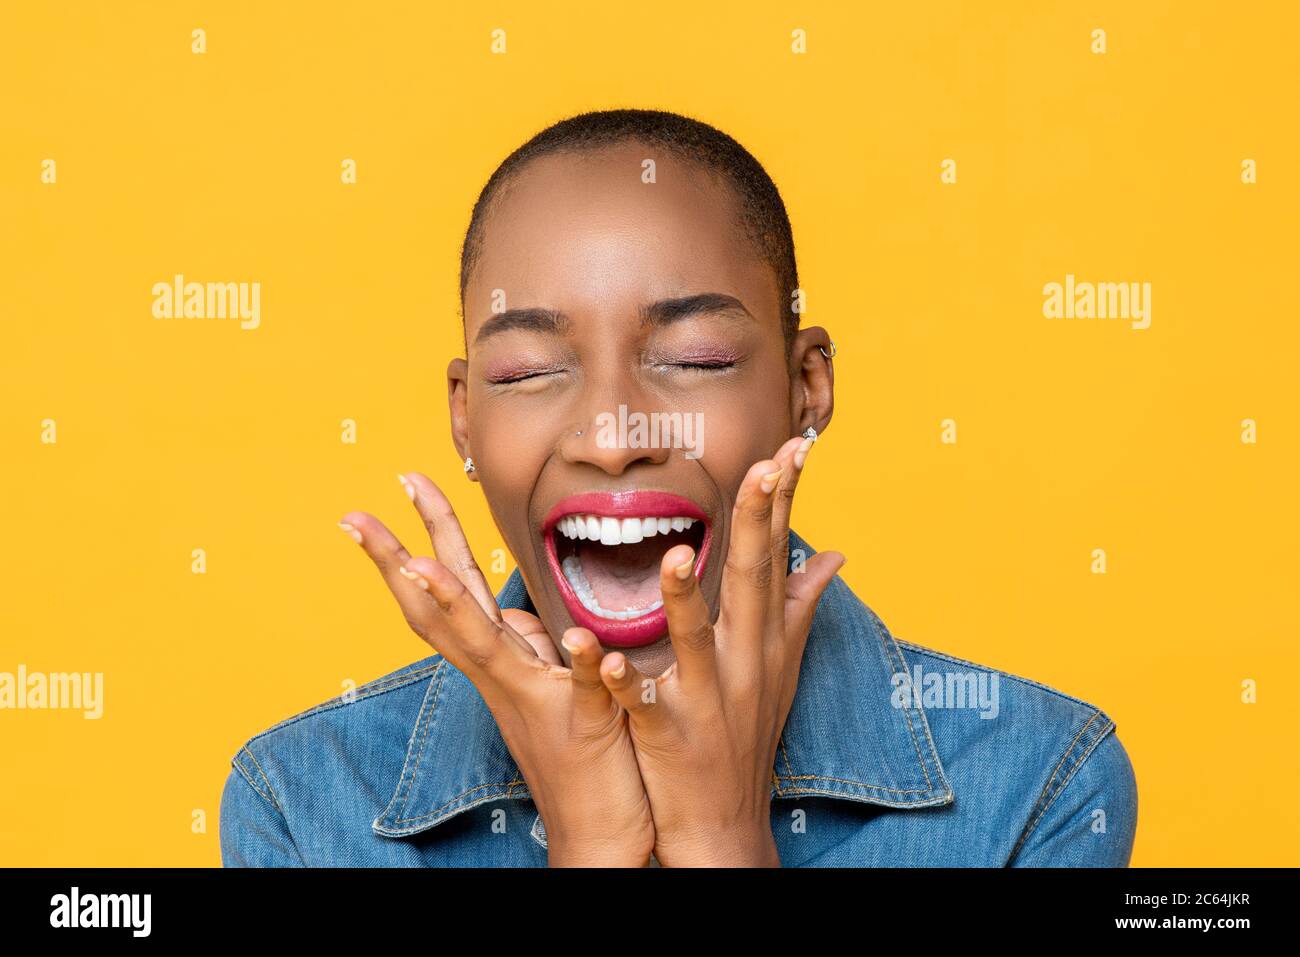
{"x":661,"y":313}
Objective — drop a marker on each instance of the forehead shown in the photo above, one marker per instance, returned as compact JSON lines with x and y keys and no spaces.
{"x":585,"y":233}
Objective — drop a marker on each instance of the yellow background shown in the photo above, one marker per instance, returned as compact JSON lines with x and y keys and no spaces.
{"x":1072,"y":435}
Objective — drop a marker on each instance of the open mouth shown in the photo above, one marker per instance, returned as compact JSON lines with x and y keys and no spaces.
{"x":605,"y":549}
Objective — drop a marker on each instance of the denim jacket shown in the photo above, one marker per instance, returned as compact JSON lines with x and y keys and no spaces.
{"x":892,"y":755}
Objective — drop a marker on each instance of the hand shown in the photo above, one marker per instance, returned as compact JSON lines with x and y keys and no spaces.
{"x":562,"y":726}
{"x":706,"y":731}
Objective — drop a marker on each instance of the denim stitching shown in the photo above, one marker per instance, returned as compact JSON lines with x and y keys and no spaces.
{"x":874,"y":787}
{"x":916,"y":745}
{"x":839,"y":794}
{"x":925,"y":725}
{"x":786,"y":756}
{"x":244,"y":773}
{"x":429,"y":692}
{"x":508,"y":785}
{"x":467,"y":807}
{"x":1047,"y":787}
{"x":791,"y":776}
{"x":428,"y":721}
{"x":1068,"y":778}
{"x":269,"y":789}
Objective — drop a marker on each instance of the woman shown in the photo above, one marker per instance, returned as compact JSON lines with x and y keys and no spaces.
{"x":671,"y":675}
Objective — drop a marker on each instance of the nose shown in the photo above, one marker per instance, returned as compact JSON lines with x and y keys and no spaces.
{"x":615,"y":435}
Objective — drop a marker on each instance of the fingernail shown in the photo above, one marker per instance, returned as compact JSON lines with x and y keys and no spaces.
{"x":414,"y":577}
{"x":770,"y":480}
{"x":410,"y":489}
{"x":801,"y":453}
{"x":683,"y":571}
{"x":619,"y":671}
{"x":351,"y":530}
{"x":568,"y":646}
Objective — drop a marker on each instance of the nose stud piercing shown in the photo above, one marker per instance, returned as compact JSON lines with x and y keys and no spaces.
{"x":831,"y":354}
{"x":469,"y":464}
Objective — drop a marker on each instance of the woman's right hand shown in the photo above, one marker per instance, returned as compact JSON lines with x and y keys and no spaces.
{"x":562,"y":726}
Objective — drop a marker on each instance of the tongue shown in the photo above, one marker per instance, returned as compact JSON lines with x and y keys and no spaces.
{"x":623,"y":577}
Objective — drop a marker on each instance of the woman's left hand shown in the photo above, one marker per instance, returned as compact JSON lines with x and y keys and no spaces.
{"x":705,"y":731}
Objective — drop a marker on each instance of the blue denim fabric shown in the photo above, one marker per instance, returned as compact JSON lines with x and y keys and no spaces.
{"x":892,"y":755}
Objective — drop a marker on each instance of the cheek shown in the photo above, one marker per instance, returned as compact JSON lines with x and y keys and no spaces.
{"x":509,"y":453}
{"x":742,"y":428}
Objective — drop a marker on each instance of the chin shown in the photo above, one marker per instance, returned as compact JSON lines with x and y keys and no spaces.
{"x":604,"y":550}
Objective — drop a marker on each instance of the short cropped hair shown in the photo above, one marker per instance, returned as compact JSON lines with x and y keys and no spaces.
{"x":763,"y":213}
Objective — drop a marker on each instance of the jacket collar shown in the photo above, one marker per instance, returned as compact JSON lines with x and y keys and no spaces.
{"x":844,"y":737}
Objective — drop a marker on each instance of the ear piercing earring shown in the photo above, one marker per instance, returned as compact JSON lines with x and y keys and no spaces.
{"x":831,"y":354}
{"x":469,"y":464}
{"x":810,"y":433}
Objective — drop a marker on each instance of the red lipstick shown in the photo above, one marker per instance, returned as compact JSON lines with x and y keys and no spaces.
{"x":621,"y":632}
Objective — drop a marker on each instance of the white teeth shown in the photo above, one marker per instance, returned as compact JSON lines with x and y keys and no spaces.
{"x":573,"y":572}
{"x":619,"y":531}
{"x":610,"y":533}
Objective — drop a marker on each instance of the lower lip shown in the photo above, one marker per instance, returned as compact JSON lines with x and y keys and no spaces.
{"x":624,"y":632}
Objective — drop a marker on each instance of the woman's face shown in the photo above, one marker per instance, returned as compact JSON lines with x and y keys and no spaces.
{"x":598,"y":297}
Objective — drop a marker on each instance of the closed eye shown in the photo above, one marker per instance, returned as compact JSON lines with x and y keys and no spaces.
{"x":510,"y":378}
{"x":706,"y":366}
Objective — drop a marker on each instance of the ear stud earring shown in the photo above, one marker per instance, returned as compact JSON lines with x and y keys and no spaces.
{"x":469,"y":464}
{"x":810,"y":433}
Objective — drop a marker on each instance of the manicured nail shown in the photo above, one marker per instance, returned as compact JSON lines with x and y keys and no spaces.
{"x":351,"y":530}
{"x":769,"y":481}
{"x":414,"y":577}
{"x":801,"y":453}
{"x":683,"y":571}
{"x":410,"y":489}
{"x":617,"y":673}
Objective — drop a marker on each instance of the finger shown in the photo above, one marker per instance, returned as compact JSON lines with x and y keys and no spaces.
{"x":448,"y":538}
{"x":790,"y":457}
{"x":591,"y":699}
{"x":388,"y":554}
{"x":534,"y":633}
{"x":637,"y":694}
{"x":747,"y":576}
{"x":463,"y":633}
{"x":804,"y":590}
{"x":690,"y":625}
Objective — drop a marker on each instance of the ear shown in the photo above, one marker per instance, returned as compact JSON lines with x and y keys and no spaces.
{"x":812,"y":380}
{"x":458,"y":406}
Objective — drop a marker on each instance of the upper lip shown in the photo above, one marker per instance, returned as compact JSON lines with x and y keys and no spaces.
{"x":639,"y":503}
